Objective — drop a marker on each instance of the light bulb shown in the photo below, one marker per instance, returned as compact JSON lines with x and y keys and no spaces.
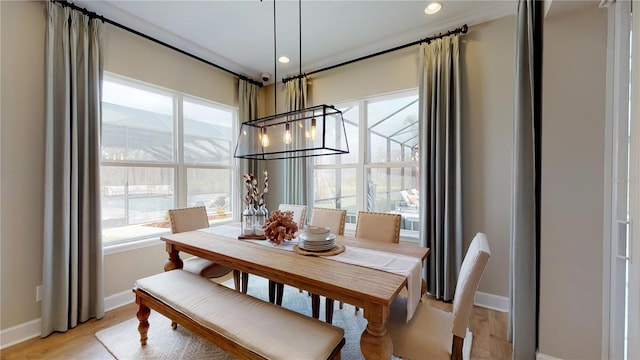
{"x":264,"y":140}
{"x":287,"y":134}
{"x":313,"y":128}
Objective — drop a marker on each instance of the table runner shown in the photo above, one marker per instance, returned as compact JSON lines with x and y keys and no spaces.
{"x":394,"y":263}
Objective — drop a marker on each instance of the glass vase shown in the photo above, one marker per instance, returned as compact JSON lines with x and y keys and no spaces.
{"x":261,"y":216}
{"x":248,"y":221}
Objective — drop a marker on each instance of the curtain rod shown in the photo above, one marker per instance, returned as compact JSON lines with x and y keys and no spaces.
{"x":461,"y":30}
{"x":91,"y":14}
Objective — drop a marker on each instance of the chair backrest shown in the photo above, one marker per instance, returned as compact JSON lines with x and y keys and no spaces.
{"x":470,"y":273}
{"x":334,"y":219}
{"x":187,"y":219}
{"x":299,"y":213}
{"x":378,"y":226}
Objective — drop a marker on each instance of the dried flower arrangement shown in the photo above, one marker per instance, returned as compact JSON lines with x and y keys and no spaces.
{"x":280,"y":227}
{"x":254,"y":195}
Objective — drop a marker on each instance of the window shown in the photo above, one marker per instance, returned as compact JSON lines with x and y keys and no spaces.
{"x":381,"y":172}
{"x":161,"y":150}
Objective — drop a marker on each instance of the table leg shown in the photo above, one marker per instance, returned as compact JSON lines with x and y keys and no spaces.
{"x":375,"y":342}
{"x":174,"y":261}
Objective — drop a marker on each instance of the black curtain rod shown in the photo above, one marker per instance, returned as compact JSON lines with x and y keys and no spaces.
{"x":461,"y":30}
{"x":91,"y":14}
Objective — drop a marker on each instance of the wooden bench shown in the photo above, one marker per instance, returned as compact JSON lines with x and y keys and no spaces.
{"x":243,"y":326}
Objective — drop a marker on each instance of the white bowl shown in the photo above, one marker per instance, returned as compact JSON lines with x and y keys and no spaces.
{"x":317,"y":230}
{"x":316,"y":233}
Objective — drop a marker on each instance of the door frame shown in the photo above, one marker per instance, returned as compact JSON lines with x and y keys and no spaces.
{"x":616,"y":134}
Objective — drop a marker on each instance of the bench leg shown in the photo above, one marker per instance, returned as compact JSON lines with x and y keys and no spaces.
{"x":143,"y":325}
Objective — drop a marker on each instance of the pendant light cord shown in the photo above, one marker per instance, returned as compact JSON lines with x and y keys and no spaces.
{"x":275,"y":62}
{"x":300,"y":51}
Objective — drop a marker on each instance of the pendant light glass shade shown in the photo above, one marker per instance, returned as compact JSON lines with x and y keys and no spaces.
{"x":323,"y":121}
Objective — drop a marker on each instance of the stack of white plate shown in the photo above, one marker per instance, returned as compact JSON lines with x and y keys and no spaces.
{"x":316,"y":239}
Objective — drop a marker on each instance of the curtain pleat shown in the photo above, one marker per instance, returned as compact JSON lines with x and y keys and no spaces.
{"x":247,"y":110}
{"x":72,"y":243}
{"x":440,"y":165}
{"x":297,"y":189}
{"x":525,"y":201}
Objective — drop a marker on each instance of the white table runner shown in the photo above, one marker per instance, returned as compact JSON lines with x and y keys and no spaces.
{"x":394,"y":263}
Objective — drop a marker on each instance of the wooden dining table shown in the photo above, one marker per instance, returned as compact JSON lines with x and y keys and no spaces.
{"x":367,"y":288}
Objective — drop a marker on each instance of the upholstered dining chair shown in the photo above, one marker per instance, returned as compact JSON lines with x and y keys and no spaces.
{"x":299,"y":216}
{"x":433,"y":333}
{"x":334,"y":219}
{"x":194,"y":218}
{"x":299,"y":213}
{"x":377,"y":226}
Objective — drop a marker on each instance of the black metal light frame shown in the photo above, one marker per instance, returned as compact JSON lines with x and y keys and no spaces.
{"x":330,"y":135}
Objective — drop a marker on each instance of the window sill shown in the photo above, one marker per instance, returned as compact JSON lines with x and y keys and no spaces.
{"x":132,"y":245}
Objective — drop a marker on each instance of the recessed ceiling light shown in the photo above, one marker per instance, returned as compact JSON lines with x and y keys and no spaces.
{"x":283,"y":59}
{"x":432,"y":8}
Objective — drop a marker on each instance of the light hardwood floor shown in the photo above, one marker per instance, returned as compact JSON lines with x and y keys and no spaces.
{"x":489,"y":337}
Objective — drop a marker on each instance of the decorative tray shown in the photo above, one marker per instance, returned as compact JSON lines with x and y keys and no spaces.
{"x":339,"y":248}
{"x":252,"y":237}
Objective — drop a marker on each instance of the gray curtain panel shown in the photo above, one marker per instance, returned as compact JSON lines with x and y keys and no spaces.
{"x":296,"y":170}
{"x":247,"y":110}
{"x":72,"y":258}
{"x":525,"y":201}
{"x":440,"y":166}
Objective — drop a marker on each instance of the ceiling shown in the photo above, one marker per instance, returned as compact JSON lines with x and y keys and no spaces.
{"x":238,"y":35}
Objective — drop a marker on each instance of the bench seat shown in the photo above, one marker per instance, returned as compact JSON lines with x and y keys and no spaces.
{"x":240,"y":324}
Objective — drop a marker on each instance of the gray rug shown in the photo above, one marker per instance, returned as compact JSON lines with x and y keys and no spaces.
{"x":123,"y":342}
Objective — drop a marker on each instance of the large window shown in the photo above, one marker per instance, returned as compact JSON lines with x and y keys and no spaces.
{"x":161,"y":150}
{"x":381,"y":172}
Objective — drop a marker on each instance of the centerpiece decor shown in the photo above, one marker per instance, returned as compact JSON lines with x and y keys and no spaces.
{"x":280,"y":227}
{"x":255,"y":212}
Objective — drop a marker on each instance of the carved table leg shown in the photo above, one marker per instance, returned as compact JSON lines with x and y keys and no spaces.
{"x":143,"y":325}
{"x":174,"y":261}
{"x":375,"y":342}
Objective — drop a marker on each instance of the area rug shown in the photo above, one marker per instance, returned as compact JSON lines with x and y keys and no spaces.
{"x":123,"y":340}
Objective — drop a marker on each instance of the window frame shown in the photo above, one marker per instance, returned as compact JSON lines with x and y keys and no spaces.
{"x":177,"y":165}
{"x":364,"y":165}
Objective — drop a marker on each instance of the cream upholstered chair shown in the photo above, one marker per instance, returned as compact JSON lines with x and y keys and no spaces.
{"x":378,"y":226}
{"x":299,"y":216}
{"x":194,"y":218}
{"x":334,"y":219}
{"x":299,"y":213}
{"x":434,"y":333}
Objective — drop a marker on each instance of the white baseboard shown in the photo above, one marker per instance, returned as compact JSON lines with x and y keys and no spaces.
{"x":117,"y":300}
{"x":19,"y":333}
{"x":540,"y":356}
{"x":491,"y":301}
{"x":31,"y":329}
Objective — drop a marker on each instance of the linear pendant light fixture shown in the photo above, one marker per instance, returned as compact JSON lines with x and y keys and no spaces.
{"x":314,"y":131}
